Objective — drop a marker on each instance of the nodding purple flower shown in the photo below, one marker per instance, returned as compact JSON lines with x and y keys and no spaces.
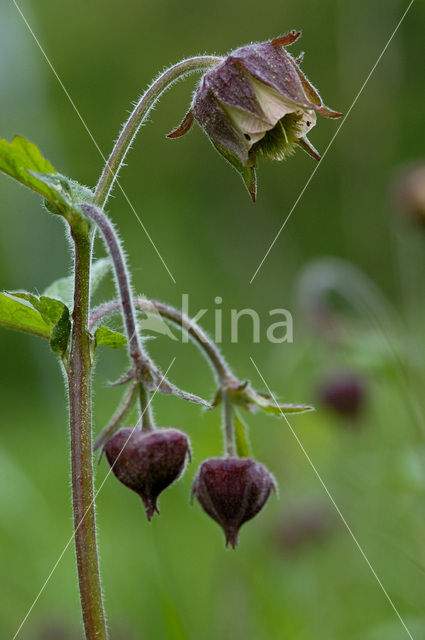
{"x":232,"y":491}
{"x":148,"y":461}
{"x":257,"y":102}
{"x":344,"y":393}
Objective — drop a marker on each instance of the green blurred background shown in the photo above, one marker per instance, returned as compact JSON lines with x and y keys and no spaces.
{"x":173,"y":579}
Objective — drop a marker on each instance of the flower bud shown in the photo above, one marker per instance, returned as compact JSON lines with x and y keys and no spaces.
{"x":232,"y":491}
{"x":257,"y":102}
{"x":148,"y":461}
{"x":410,"y":193}
{"x":344,"y":393}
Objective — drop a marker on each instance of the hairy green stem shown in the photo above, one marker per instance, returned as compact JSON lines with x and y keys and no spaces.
{"x":139,"y":115}
{"x":145,"y":410}
{"x":228,"y":424}
{"x":80,"y":417}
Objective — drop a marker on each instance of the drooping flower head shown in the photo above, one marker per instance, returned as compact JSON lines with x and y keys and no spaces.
{"x":148,"y":461}
{"x":232,"y":491}
{"x":256,"y":102}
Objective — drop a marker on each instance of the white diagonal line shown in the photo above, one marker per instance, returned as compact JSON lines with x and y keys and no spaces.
{"x":313,"y":173}
{"x":55,"y":566}
{"x":74,"y":106}
{"x":331,"y":498}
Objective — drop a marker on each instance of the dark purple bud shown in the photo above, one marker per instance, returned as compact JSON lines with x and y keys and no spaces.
{"x":303,"y":526}
{"x":148,"y":461}
{"x":257,"y":102}
{"x":410,"y":193}
{"x":344,"y":393}
{"x":232,"y":491}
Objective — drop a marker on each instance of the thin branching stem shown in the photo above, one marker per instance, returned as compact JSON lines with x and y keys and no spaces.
{"x":228,"y":424}
{"x":221,"y":369}
{"x":124,"y":407}
{"x":122,"y":276}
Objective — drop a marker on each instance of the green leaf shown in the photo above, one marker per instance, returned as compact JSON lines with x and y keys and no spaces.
{"x":15,"y":314}
{"x":56,"y":316}
{"x":49,"y":308}
{"x":19,"y":157}
{"x":23,"y":161}
{"x":243,"y":445}
{"x":61,"y":332}
{"x":63,"y":288}
{"x":109,"y":338}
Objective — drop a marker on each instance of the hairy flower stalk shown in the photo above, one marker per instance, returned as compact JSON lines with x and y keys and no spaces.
{"x":122,"y":279}
{"x":138,"y":117}
{"x":221,"y":369}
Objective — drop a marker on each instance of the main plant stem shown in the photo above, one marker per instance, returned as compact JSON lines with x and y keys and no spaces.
{"x":80,"y":412}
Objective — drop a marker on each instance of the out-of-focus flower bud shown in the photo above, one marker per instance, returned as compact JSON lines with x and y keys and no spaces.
{"x":344,"y":393}
{"x":257,"y":102}
{"x":232,"y":491}
{"x":410,"y":192}
{"x":310,"y":524}
{"x":148,"y":461}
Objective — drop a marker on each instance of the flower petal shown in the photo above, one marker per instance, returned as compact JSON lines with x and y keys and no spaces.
{"x":272,"y":103}
{"x":247,"y":123}
{"x":232,"y":86}
{"x":273,"y":66}
{"x":210,"y":115}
